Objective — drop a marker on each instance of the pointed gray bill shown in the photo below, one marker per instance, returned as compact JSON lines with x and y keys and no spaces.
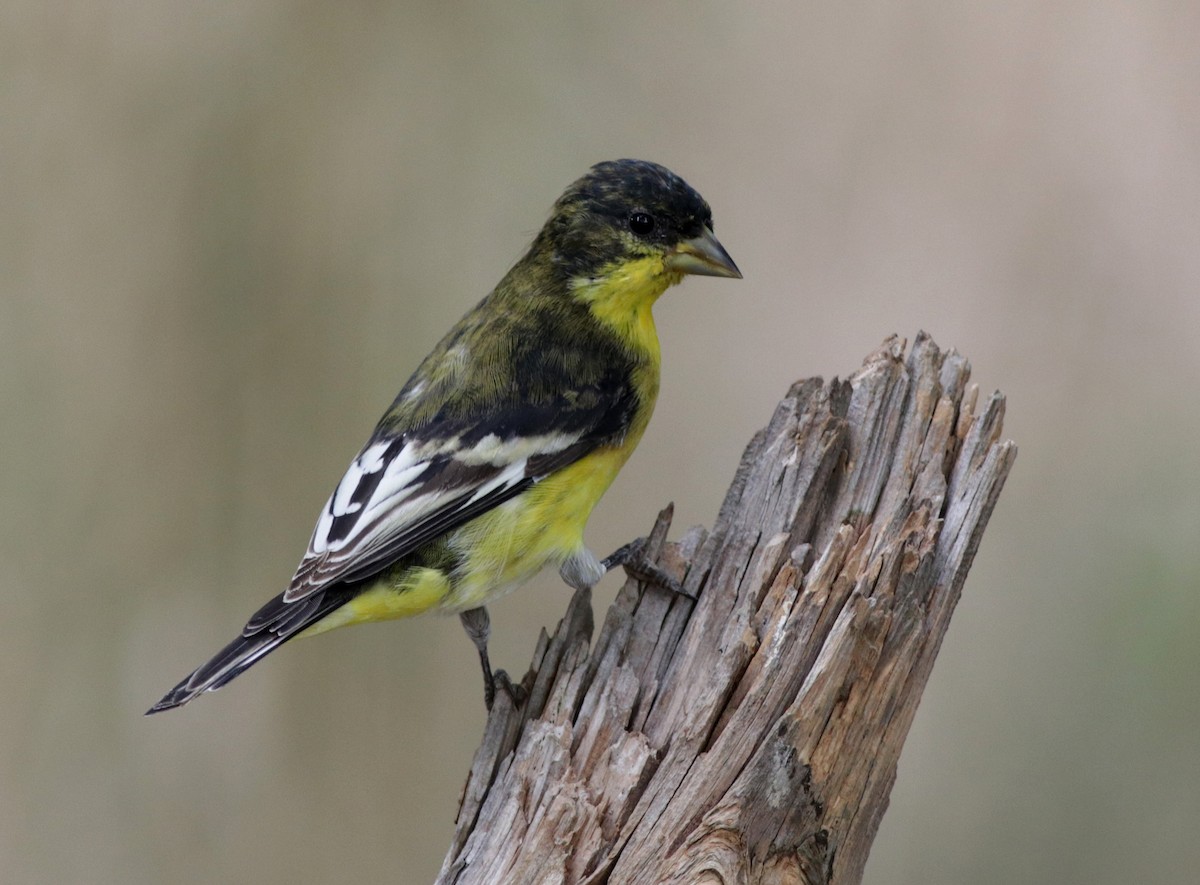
{"x":704,"y":256}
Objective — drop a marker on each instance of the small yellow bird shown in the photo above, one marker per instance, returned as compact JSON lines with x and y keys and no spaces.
{"x":489,"y":462}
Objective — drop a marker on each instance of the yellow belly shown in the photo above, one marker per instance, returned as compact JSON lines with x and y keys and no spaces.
{"x":500,"y":550}
{"x":420,"y":590}
{"x":506,"y":547}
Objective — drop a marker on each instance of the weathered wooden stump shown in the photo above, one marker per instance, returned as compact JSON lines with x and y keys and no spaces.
{"x":751,"y":734}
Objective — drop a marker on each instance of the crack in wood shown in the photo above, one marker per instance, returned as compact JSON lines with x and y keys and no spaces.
{"x":751,"y":733}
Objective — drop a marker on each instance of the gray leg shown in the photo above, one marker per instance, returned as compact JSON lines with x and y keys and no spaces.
{"x":582,"y":571}
{"x":479,"y":627}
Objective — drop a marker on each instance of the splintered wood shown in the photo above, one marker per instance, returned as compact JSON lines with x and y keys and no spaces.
{"x":751,"y":733}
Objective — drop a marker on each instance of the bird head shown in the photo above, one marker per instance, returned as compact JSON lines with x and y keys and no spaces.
{"x":633,"y":213}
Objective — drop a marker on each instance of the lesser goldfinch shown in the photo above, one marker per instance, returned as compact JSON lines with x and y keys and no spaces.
{"x":489,"y":462}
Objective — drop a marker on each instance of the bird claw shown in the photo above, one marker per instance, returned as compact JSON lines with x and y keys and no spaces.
{"x":516,"y":693}
{"x":632,"y":557}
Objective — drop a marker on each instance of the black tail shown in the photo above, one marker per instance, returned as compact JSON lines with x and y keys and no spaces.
{"x":271,"y":626}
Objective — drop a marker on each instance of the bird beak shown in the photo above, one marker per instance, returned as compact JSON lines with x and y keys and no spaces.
{"x":703,"y":255}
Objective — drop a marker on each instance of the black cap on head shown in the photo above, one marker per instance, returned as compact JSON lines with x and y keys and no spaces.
{"x":622,"y":209}
{"x":616,"y":188}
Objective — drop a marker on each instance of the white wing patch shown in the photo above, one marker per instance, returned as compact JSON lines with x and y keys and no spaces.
{"x":498,"y":452}
{"x":514,"y":473}
{"x":386,"y":494}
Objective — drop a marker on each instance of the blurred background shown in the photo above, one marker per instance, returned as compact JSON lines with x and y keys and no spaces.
{"x":229,"y":231}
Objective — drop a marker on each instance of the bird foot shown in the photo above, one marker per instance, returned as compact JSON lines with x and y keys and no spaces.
{"x":632,"y":557}
{"x":500,"y":679}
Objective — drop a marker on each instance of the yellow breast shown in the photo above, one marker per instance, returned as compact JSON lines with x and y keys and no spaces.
{"x":504,"y":547}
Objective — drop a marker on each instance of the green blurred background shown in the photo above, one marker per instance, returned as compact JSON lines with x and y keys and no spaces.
{"x":231,"y":229}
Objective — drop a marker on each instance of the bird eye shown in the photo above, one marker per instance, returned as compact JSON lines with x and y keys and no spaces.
{"x":641,"y":223}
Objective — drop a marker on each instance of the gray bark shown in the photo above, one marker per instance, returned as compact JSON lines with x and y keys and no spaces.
{"x":751,"y":733}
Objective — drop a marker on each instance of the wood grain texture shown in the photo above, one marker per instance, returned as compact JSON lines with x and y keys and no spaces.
{"x":751,"y":734}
